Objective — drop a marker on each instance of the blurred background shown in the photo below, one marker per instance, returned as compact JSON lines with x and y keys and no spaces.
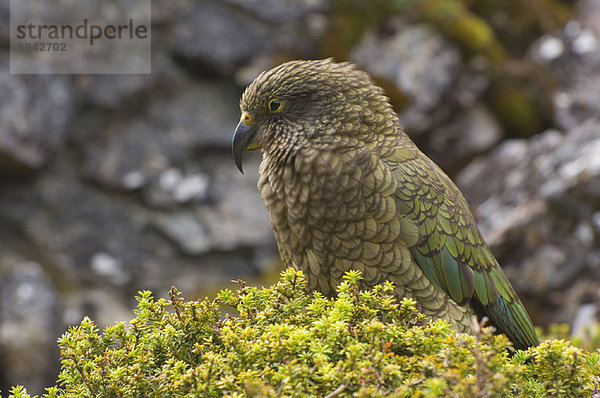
{"x":110,"y":184}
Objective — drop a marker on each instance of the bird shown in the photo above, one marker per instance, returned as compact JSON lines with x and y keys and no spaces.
{"x":347,"y":189}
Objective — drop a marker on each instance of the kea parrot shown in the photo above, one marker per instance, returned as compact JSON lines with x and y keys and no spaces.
{"x":347,"y":189}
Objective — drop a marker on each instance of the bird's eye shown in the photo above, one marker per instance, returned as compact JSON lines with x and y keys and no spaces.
{"x":274,"y":105}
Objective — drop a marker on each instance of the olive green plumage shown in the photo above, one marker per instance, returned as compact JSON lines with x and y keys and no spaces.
{"x":346,"y":188}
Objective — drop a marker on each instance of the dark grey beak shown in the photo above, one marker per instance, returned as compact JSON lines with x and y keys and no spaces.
{"x":241,"y":139}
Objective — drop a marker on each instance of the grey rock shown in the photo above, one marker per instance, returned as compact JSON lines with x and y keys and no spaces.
{"x":35,"y":112}
{"x":132,"y":155}
{"x":218,"y":38}
{"x":97,"y":303}
{"x":443,"y":116}
{"x":165,"y":12}
{"x":69,"y":222}
{"x":535,"y":201}
{"x":280,"y":10}
{"x":186,"y":231}
{"x":155,"y":151}
{"x":184,"y":188}
{"x":5,"y":21}
{"x":574,"y":105}
{"x":585,"y":317}
{"x":230,"y":217}
{"x":237,"y":217}
{"x":419,"y":62}
{"x":29,"y":306}
{"x":199,"y":114}
{"x":106,"y":266}
{"x":246,"y":73}
{"x":94,"y":236}
{"x":587,"y":14}
{"x":118,"y":92}
{"x":469,"y":134}
{"x":573,"y":55}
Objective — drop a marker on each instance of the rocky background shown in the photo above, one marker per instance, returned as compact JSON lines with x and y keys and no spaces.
{"x":110,"y":184}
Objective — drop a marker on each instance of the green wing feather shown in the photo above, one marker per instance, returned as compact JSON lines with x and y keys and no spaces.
{"x":451,"y":251}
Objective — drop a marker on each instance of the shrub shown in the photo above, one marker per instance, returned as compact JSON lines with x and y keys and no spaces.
{"x":284,"y":342}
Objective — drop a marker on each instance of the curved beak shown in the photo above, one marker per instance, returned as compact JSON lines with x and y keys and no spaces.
{"x":242,"y":139}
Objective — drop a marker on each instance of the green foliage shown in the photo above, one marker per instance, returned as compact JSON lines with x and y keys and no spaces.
{"x":588,"y":339}
{"x":287,"y":343}
{"x":469,"y":31}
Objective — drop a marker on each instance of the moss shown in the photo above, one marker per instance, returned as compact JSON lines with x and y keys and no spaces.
{"x":287,"y":343}
{"x":515,"y":108}
{"x":518,"y":22}
{"x":348,"y":20}
{"x":472,"y":33}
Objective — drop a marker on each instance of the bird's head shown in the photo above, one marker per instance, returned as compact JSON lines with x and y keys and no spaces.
{"x":307,"y":104}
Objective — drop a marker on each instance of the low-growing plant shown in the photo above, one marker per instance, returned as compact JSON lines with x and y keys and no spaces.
{"x":285,"y":342}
